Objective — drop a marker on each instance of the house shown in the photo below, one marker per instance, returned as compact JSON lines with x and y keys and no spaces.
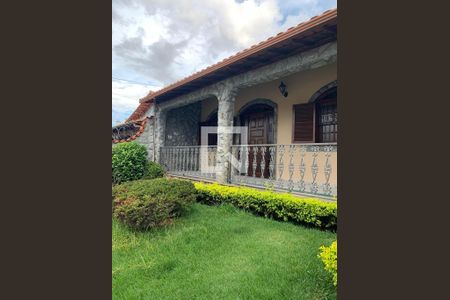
{"x":280,"y":95}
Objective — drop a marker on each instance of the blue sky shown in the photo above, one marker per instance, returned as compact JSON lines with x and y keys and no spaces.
{"x":157,"y":42}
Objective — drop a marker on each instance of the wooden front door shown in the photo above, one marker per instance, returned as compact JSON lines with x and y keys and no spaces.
{"x":258,"y":134}
{"x":257,"y":128}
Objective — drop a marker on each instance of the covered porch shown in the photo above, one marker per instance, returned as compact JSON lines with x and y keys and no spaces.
{"x":287,"y":139}
{"x":282,"y":144}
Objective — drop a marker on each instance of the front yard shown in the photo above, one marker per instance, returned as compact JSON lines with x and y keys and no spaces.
{"x":220,"y":252}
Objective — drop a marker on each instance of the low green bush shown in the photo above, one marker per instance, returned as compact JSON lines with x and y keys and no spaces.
{"x":147,"y":204}
{"x":328,"y":255}
{"x":153,"y":170}
{"x":129,"y":161}
{"x":285,"y":207}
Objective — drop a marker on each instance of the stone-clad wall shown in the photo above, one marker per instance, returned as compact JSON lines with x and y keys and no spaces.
{"x":147,"y":139}
{"x":182,"y":125}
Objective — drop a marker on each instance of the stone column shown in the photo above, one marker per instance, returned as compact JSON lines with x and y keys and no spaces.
{"x":160,"y":130}
{"x":226,"y":97}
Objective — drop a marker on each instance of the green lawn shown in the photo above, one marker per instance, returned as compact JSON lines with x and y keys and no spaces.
{"x":220,"y":253}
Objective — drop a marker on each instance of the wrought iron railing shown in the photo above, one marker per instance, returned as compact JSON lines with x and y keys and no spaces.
{"x":298,"y":168}
{"x":301,"y":168}
{"x":190,"y":161}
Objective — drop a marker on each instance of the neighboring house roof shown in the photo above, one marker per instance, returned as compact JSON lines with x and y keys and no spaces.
{"x":307,"y":35}
{"x":128,"y":131}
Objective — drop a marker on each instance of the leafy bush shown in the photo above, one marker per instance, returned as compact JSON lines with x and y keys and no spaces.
{"x":328,"y":255}
{"x":153,"y":170}
{"x":285,"y":207}
{"x":129,"y":162}
{"x":146,"y":204}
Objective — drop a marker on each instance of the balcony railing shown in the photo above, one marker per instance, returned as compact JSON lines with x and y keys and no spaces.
{"x":190,"y":161}
{"x":297,"y":168}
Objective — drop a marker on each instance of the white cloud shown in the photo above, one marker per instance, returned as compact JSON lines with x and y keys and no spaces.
{"x":161,"y":41}
{"x":125,"y":98}
{"x":126,"y":95}
{"x":170,"y":39}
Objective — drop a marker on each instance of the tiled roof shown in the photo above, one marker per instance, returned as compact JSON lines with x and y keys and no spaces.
{"x":140,"y":111}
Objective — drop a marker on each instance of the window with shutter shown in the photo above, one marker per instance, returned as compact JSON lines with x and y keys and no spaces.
{"x":316,"y":122}
{"x":304,"y":123}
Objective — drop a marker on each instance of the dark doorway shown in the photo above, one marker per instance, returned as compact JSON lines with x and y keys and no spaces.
{"x":212,"y":137}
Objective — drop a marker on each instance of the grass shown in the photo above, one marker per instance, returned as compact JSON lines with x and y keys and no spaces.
{"x":220,"y":253}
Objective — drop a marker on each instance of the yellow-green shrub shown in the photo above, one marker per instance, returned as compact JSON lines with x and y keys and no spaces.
{"x":285,"y":207}
{"x":328,"y":255}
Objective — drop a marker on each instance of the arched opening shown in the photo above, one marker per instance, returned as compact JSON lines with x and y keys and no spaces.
{"x":259,"y":116}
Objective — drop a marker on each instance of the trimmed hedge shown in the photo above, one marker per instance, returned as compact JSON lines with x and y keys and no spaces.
{"x":129,"y":161}
{"x":328,"y":255}
{"x":147,"y":204}
{"x":285,"y":207}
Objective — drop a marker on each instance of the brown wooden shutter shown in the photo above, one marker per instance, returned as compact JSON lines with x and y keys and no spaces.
{"x":303,"y":123}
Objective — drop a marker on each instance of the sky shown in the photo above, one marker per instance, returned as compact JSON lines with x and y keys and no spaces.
{"x":157,"y":42}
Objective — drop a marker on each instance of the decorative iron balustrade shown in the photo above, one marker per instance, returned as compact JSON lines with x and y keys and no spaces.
{"x":190,"y":161}
{"x":299,"y":168}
